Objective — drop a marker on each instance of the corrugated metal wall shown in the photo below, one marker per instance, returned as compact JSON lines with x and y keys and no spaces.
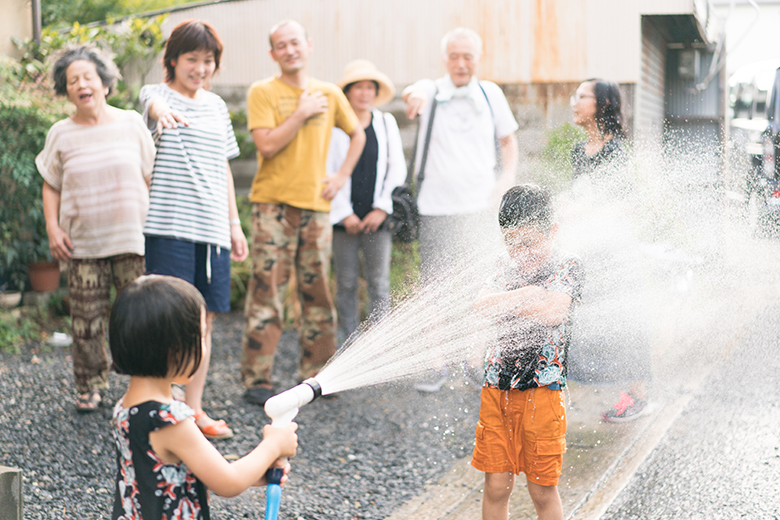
{"x":649,"y":113}
{"x":526,"y":41}
{"x":694,"y":119}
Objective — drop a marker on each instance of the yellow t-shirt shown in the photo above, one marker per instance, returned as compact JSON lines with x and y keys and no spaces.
{"x":294,"y":176}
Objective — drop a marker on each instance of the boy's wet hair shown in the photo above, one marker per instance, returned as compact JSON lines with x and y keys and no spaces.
{"x":526,"y":205}
{"x":154,"y":329}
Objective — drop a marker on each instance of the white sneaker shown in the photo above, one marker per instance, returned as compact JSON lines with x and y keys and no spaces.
{"x":60,"y":339}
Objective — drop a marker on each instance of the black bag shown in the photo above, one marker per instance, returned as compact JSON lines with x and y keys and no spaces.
{"x":404,"y":222}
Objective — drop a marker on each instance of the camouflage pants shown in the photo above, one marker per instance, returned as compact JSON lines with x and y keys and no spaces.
{"x":89,"y":290}
{"x":284,"y":237}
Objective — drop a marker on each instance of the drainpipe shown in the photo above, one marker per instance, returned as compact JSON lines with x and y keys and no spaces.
{"x":36,"y":21}
{"x":719,"y":59}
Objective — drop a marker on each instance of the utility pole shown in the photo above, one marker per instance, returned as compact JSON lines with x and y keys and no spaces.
{"x":36,"y":21}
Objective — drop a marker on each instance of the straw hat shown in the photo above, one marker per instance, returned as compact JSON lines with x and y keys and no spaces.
{"x":362,"y":70}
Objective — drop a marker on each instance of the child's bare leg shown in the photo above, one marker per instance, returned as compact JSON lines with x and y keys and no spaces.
{"x":194,"y":389}
{"x":547,"y":501}
{"x":495,"y":498}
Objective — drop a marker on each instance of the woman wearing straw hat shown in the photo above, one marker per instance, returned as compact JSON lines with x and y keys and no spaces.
{"x":360,"y":208}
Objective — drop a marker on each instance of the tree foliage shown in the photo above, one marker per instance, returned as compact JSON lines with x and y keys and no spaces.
{"x":64,"y":13}
{"x":28,"y":108}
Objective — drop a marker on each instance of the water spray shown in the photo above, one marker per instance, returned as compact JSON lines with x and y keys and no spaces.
{"x":282,"y":409}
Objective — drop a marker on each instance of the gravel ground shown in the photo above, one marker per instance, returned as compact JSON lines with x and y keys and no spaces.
{"x":361,"y":454}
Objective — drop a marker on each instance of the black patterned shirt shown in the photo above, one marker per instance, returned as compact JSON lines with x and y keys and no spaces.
{"x":147,"y":487}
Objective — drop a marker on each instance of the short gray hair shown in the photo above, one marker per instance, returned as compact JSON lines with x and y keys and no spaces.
{"x":283,"y":23}
{"x":462,"y":32}
{"x":104,"y":66}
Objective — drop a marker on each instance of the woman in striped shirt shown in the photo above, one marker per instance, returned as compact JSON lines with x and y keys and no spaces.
{"x":192,"y":229}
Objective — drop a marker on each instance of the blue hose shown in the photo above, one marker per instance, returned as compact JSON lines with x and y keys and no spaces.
{"x":282,"y":409}
{"x":273,"y":493}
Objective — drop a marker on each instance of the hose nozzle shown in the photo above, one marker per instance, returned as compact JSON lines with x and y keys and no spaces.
{"x":282,"y":408}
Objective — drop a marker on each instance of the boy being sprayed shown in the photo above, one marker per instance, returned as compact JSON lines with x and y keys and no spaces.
{"x":522,"y":419}
{"x":165,"y":464}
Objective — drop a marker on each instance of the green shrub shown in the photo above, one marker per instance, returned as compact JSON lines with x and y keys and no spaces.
{"x":134,"y":45}
{"x":16,"y":329}
{"x":246,"y":144}
{"x":555,"y":169}
{"x":27,"y":111}
{"x":22,"y":225}
{"x":241,"y":271}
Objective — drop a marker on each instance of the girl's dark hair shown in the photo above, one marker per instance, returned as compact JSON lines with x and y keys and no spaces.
{"x":526,"y":205}
{"x":154,"y":329}
{"x":189,"y":36}
{"x":349,"y":86}
{"x":103,"y":65}
{"x":609,"y":109}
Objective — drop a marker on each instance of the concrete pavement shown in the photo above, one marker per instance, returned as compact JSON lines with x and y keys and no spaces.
{"x":691,"y":335}
{"x":596,"y":452}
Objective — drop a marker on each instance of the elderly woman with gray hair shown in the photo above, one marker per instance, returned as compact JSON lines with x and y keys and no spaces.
{"x":96,"y":166}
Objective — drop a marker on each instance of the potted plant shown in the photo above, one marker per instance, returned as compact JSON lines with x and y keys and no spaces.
{"x":25,"y":119}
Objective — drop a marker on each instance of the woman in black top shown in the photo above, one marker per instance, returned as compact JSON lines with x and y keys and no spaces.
{"x":597,"y":108}
{"x":611,"y":341}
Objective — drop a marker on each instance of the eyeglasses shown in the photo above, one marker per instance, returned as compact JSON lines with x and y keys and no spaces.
{"x":577,"y":97}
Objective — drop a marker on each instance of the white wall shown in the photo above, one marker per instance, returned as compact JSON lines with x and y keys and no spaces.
{"x":15,"y":20}
{"x":526,"y":41}
{"x":759,"y":41}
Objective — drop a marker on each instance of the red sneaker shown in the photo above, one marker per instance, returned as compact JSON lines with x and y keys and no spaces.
{"x":626,"y":409}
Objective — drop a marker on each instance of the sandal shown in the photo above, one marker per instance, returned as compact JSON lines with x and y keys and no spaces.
{"x":215,"y":430}
{"x":89,"y":402}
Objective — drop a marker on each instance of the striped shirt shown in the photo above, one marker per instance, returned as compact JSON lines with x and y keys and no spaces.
{"x":189,"y":199}
{"x":101,"y":173}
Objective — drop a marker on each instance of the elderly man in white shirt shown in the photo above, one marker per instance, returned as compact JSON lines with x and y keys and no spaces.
{"x":460,"y":189}
{"x":460,"y":185}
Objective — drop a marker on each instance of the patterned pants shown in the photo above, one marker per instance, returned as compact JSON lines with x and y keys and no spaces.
{"x":283,"y":237}
{"x":89,"y":289}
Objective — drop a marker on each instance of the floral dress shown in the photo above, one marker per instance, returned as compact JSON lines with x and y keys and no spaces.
{"x":147,"y":487}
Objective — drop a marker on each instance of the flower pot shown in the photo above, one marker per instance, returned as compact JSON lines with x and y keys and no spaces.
{"x":44,"y":276}
{"x":10,"y":299}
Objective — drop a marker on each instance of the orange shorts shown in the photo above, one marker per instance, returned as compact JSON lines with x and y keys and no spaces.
{"x":522,"y":431}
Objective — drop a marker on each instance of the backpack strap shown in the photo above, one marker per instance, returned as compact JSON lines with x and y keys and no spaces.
{"x":496,"y":144}
{"x":426,"y":143}
{"x":421,"y":173}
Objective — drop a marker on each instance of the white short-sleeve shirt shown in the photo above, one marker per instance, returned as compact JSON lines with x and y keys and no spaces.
{"x":460,"y":170}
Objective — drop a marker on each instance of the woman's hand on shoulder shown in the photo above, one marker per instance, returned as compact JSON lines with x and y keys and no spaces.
{"x":165,"y":116}
{"x":171,"y":119}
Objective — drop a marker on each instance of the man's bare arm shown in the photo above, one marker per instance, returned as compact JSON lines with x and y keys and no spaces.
{"x":357,"y":140}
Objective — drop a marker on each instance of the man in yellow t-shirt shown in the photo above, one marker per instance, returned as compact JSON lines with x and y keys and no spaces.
{"x":291,"y":117}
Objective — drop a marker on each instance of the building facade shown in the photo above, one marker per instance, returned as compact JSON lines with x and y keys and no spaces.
{"x":659,"y":51}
